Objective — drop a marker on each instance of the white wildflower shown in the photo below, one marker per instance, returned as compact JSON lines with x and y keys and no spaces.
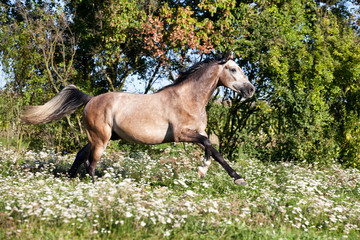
{"x":205,"y":185}
{"x":167,"y":233}
{"x":190,"y":193}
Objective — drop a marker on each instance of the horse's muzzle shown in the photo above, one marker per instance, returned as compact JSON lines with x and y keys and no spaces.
{"x":246,"y":90}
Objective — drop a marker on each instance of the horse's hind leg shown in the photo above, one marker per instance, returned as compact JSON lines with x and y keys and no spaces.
{"x":81,"y":157}
{"x":96,"y":151}
{"x":99,"y":134}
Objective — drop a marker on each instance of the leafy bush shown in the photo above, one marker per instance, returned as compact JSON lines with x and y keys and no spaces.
{"x":304,"y":62}
{"x":302,"y":56}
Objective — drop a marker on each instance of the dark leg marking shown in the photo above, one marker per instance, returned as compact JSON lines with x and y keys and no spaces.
{"x":193,"y":136}
{"x":81,"y":157}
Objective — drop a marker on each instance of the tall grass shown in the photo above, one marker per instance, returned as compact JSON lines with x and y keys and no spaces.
{"x":139,"y":196}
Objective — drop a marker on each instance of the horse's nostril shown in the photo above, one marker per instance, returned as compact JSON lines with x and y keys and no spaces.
{"x":247,"y":89}
{"x":252,"y":89}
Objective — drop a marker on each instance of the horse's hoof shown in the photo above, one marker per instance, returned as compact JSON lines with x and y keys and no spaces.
{"x":239,"y":181}
{"x":201,"y":172}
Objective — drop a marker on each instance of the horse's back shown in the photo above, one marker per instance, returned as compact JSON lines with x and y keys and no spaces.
{"x":139,"y":118}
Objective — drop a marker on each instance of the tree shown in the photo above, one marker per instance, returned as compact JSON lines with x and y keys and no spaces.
{"x":118,"y":38}
{"x":302,"y":55}
{"x":304,"y":58}
{"x":38,"y":49}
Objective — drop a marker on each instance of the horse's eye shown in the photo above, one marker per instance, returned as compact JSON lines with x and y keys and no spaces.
{"x":233,"y":70}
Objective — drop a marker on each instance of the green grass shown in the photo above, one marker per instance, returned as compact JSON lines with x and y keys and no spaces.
{"x":159,"y":196}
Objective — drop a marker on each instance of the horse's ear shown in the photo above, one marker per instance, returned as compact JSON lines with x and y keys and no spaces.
{"x":228,"y":56}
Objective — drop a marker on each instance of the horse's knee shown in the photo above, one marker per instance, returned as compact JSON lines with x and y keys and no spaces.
{"x":205,"y":142}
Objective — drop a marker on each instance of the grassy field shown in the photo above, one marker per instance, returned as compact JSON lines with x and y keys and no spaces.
{"x":138,"y":196}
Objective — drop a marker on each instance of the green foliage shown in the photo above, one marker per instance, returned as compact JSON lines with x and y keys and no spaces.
{"x":14,"y":133}
{"x":303,"y":57}
{"x":305,"y":63}
{"x":228,"y":120}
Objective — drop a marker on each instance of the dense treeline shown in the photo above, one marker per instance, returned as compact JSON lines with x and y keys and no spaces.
{"x":303,"y":57}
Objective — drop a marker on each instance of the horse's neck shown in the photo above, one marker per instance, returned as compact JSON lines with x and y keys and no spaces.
{"x":205,"y":86}
{"x":199,"y":92}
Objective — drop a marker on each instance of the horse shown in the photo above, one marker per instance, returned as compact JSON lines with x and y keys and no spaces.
{"x":175,"y":113}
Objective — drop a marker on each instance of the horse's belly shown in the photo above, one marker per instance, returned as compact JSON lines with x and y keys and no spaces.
{"x":145,"y":134}
{"x":141,"y":119}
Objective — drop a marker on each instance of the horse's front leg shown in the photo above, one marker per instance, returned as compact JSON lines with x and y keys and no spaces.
{"x":202,"y":170}
{"x":189,"y":135}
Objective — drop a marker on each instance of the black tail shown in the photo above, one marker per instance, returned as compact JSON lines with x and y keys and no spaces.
{"x":65,"y":103}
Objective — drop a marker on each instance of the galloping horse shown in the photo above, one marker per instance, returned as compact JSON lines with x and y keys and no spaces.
{"x":176,"y":113}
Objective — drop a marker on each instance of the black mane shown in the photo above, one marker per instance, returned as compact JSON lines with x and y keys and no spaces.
{"x":192,"y":71}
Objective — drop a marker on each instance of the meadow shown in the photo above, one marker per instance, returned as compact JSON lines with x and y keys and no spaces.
{"x":142,"y":195}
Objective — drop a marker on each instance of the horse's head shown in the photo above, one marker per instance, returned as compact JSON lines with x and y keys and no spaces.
{"x":234,"y":78}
